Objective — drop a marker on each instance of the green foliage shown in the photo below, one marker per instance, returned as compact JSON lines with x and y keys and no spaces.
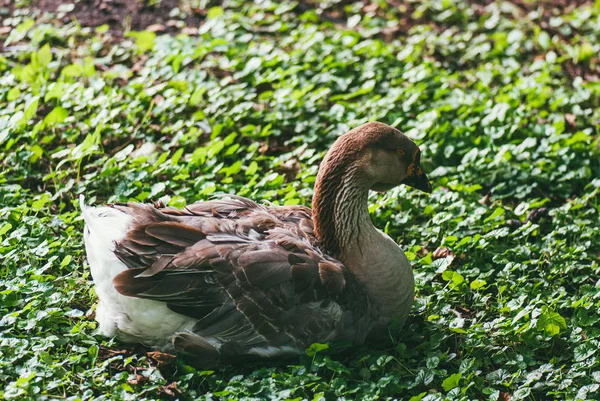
{"x":503,"y":103}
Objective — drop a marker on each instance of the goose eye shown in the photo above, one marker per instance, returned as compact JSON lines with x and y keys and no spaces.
{"x":400,"y":151}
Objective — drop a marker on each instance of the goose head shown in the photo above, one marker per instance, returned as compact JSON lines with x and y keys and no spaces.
{"x":374,"y":157}
{"x":377,"y":156}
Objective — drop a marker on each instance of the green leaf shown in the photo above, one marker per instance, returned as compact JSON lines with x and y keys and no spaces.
{"x":418,"y":397}
{"x":55,"y":91}
{"x":102,"y":28}
{"x":454,"y":277}
{"x":584,"y":351}
{"x":176,"y":156}
{"x":477,"y":284}
{"x":451,"y":382}
{"x":13,"y":94}
{"x":586,"y":52}
{"x":196,"y":97}
{"x":37,"y":152}
{"x":178,"y":202}
{"x":252,"y":168}
{"x":457,"y":278}
{"x":551,"y":322}
{"x":578,"y":137}
{"x":44,"y":55}
{"x":319,"y":397}
{"x":66,"y":260}
{"x":233,"y":169}
{"x":425,"y":376}
{"x":72,"y":71}
{"x":30,"y":112}
{"x":450,"y":240}
{"x":315,"y":348}
{"x":5,"y":228}
{"x":40,"y":202}
{"x":157,"y":188}
{"x":544,"y":40}
{"x":144,"y":40}
{"x":214,"y":12}
{"x":497,"y":213}
{"x":447,"y":275}
{"x":56,"y":116}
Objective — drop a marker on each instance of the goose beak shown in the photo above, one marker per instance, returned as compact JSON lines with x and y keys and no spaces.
{"x":417,"y":179}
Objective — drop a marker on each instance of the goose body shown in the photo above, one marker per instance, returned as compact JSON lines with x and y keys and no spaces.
{"x":230,"y":278}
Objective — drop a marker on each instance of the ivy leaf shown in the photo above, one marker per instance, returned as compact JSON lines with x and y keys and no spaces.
{"x":44,"y":55}
{"x":5,"y":228}
{"x":315,"y":348}
{"x":144,"y":40}
{"x":66,"y":260}
{"x":477,"y":284}
{"x":13,"y":94}
{"x":425,"y":377}
{"x":452,"y":381}
{"x":497,"y":213}
{"x":214,"y":12}
{"x":551,"y":322}
{"x":544,"y":40}
{"x":56,"y":116}
{"x":418,"y":397}
{"x":30,"y":111}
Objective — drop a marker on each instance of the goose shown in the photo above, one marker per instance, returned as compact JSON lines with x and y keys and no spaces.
{"x":230,"y":278}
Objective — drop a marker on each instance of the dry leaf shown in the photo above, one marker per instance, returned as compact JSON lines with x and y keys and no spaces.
{"x":442,"y":253}
{"x":161,"y":358}
{"x":170,"y":390}
{"x":370,"y":8}
{"x":485,"y":200}
{"x":156,"y":28}
{"x":190,"y":30}
{"x":139,"y":379}
{"x":422,"y":252}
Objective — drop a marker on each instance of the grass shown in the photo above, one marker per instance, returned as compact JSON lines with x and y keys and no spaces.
{"x":503,"y":100}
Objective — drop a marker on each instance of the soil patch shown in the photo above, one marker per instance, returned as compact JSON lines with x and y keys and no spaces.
{"x":120,"y":15}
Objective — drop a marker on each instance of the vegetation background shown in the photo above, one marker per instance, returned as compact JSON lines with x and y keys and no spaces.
{"x":140,"y":100}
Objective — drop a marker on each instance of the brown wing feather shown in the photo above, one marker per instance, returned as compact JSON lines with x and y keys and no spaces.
{"x":251,"y":275}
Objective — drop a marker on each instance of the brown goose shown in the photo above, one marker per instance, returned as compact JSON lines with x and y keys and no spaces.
{"x":229,"y":278}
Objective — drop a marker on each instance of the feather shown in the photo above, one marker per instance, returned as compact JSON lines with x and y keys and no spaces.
{"x":332,"y":277}
{"x":139,"y":236}
{"x":157,"y":266}
{"x":125,"y":283}
{"x":196,"y":345}
{"x":197,"y":255}
{"x":265,"y":268}
{"x":135,"y":248}
{"x":174,"y":233}
{"x":226,"y":237}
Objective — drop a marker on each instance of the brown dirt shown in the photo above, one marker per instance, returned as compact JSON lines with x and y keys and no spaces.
{"x":121,"y":15}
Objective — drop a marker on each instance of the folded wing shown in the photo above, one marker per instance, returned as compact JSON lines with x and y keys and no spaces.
{"x":252,"y":276}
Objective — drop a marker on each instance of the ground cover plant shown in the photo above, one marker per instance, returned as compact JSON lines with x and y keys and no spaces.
{"x":503,"y":99}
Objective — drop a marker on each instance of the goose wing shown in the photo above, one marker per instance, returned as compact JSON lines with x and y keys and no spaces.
{"x":251,"y":275}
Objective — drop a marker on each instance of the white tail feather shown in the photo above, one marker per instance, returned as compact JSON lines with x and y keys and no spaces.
{"x":105,"y":223}
{"x":132,"y":319}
